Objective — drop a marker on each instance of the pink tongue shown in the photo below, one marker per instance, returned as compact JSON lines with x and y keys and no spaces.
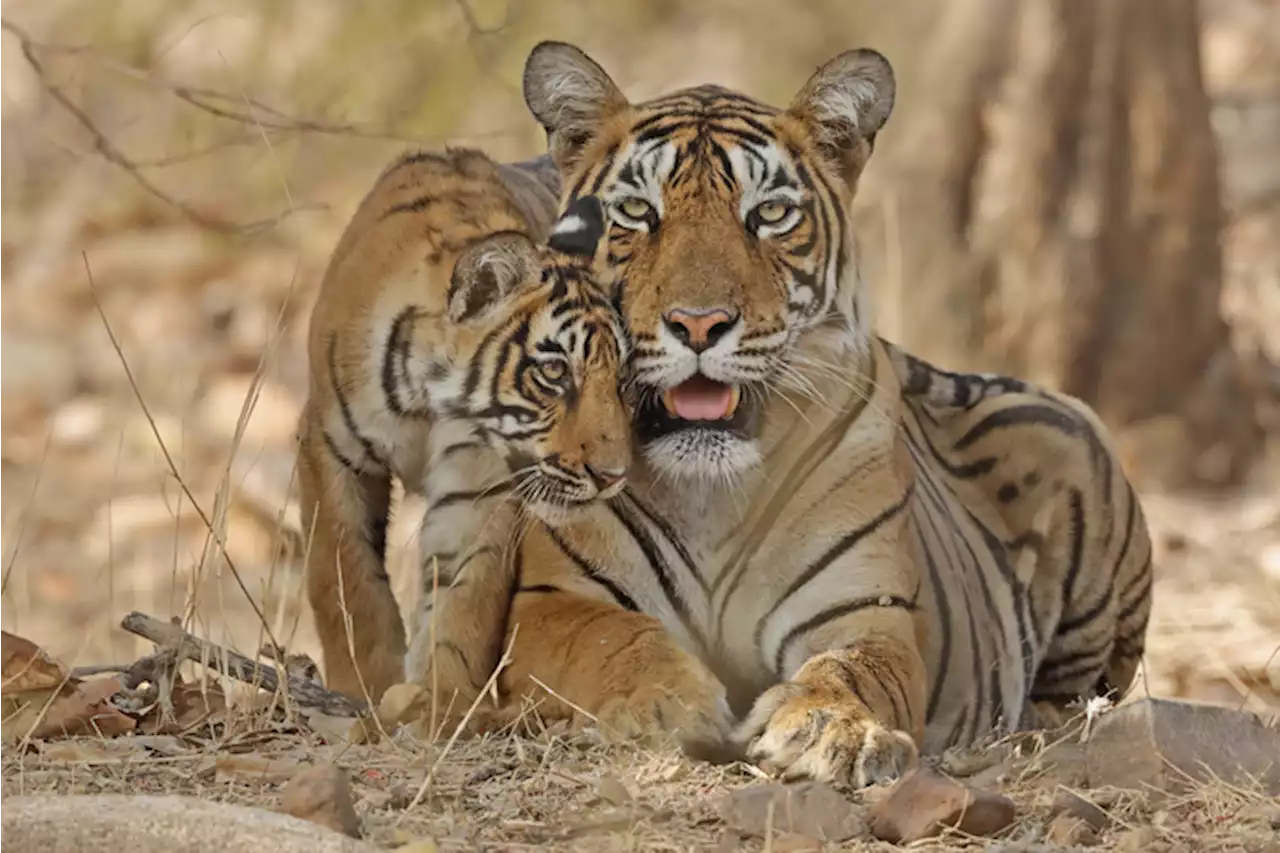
{"x":701,"y":399}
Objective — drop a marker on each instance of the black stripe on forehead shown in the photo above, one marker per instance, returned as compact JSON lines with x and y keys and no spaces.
{"x":599,"y":172}
{"x":708,"y":97}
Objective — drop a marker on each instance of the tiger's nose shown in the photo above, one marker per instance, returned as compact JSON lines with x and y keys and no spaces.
{"x":605,"y":478}
{"x":700,"y":329}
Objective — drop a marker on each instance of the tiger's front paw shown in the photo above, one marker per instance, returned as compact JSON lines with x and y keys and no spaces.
{"x":804,"y":732}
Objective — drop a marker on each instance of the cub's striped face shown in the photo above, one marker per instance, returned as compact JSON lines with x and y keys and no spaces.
{"x":538,"y":375}
{"x":728,"y":237}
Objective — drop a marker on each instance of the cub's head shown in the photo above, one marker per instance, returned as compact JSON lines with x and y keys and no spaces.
{"x":539,"y":347}
{"x":728,"y":238}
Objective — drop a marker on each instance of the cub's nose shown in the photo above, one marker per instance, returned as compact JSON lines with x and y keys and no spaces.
{"x":699,"y":329}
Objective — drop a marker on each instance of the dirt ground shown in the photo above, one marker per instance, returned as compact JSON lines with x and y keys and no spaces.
{"x":153,"y":369}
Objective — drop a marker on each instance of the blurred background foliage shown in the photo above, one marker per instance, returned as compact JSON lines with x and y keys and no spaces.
{"x":1086,"y":192}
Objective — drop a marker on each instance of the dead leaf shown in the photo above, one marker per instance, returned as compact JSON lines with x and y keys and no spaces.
{"x":193,"y":705}
{"x":254,"y":769}
{"x":86,"y":710}
{"x":27,"y":667}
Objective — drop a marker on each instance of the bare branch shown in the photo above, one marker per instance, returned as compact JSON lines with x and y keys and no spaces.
{"x":169,"y":636}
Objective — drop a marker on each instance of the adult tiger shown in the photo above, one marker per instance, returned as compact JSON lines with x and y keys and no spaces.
{"x":441,"y":331}
{"x":863,"y":554}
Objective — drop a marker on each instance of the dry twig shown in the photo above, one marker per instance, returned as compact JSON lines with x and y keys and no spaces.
{"x":305,"y":693}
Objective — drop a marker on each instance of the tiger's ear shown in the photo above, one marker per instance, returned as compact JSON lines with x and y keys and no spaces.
{"x":570,"y":96}
{"x":580,"y":230}
{"x":487,"y":272}
{"x":845,"y":103}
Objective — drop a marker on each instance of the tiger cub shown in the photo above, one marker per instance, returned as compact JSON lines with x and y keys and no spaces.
{"x":442,"y":332}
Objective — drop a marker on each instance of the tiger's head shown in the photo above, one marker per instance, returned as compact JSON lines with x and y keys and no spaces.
{"x":533,"y":366}
{"x":728,"y":236}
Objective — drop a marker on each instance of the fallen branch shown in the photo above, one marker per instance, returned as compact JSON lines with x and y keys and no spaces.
{"x":304,"y":693}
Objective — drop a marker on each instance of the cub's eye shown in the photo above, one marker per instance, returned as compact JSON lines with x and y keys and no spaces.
{"x":773,"y":212}
{"x":635,"y":208}
{"x":553,"y":370}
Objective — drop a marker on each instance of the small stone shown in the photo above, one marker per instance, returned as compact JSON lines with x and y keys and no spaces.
{"x":1170,"y":745}
{"x":1070,"y":831}
{"x":812,"y":809}
{"x":923,"y":804}
{"x":1069,"y":803}
{"x":322,"y":795}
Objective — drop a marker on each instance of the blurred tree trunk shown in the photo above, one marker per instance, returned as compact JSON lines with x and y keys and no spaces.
{"x":1055,"y":185}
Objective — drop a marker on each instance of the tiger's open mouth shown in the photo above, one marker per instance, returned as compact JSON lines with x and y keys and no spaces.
{"x":702,"y":399}
{"x":698,"y":403}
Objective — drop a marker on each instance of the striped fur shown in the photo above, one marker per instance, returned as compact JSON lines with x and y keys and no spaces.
{"x":442,"y":332}
{"x":869,"y":556}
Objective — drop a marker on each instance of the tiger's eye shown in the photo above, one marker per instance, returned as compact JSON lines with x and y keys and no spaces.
{"x":771,"y":212}
{"x":554,"y":370}
{"x":635,"y":208}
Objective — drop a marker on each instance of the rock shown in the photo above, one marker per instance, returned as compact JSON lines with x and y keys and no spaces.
{"x":924,"y":803}
{"x":110,"y":823}
{"x":1069,"y":831}
{"x":1169,"y":744}
{"x":322,"y":795}
{"x":812,"y":809}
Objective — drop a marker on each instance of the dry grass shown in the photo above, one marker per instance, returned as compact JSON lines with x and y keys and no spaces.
{"x":561,"y":790}
{"x":152,"y":468}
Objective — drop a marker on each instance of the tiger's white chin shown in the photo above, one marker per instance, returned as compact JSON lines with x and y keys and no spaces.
{"x":702,"y":455}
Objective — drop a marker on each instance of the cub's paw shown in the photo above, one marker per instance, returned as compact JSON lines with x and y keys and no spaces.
{"x":694,"y":715}
{"x":804,"y":732}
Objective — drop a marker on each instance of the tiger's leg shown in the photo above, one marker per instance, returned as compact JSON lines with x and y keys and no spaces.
{"x":465,"y":547}
{"x":854,"y":710}
{"x":619,"y":666}
{"x":357,"y":619}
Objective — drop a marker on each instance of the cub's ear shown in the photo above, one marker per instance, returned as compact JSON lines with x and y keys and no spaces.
{"x":570,"y":96}
{"x":845,"y":103}
{"x":581,"y":228}
{"x":487,"y":272}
